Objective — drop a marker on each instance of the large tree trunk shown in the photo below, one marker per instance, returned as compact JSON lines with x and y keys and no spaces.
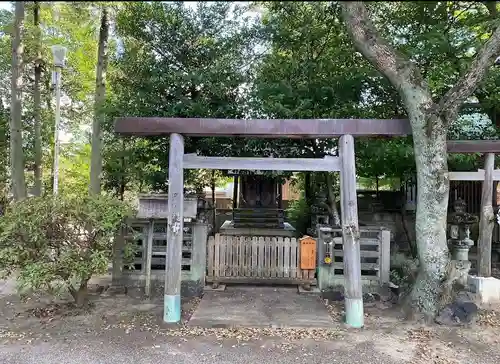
{"x":429,"y":123}
{"x":37,"y":191}
{"x":432,"y":196}
{"x":16,"y":138}
{"x":100,"y":98}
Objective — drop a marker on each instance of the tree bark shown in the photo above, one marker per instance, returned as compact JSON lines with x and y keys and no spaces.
{"x":214,"y":203}
{"x":4,"y":156}
{"x":308,"y":196}
{"x":411,"y":242}
{"x":37,"y":191}
{"x":16,"y":138}
{"x":432,"y":206}
{"x":429,"y":122}
{"x":80,"y":294}
{"x":123,"y":179}
{"x":117,"y":266}
{"x":333,"y":200}
{"x":487,"y":218}
{"x":100,"y":98}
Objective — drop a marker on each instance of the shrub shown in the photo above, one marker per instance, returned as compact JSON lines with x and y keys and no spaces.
{"x":59,"y":241}
{"x":404,"y":270}
{"x":299,"y":215}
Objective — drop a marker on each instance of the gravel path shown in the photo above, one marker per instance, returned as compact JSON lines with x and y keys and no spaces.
{"x":194,"y":350}
{"x":128,"y":329}
{"x":370,"y":347}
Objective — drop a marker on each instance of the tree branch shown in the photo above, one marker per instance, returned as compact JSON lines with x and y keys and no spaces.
{"x":492,"y":8}
{"x":401,"y":72}
{"x":463,"y":89}
{"x":396,"y":67}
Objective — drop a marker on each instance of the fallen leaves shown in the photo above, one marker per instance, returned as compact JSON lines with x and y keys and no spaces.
{"x":425,"y":352}
{"x":7,"y":334}
{"x":149,"y":323}
{"x":189,"y":308}
{"x":489,"y":318}
{"x":52,"y":310}
{"x":334,"y":309}
{"x":420,"y":335}
{"x":28,"y":337}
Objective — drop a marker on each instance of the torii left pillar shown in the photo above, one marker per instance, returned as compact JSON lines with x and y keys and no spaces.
{"x":175,"y":226}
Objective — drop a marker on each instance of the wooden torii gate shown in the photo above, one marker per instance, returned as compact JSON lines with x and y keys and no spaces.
{"x":261,"y":128}
{"x":176,"y":128}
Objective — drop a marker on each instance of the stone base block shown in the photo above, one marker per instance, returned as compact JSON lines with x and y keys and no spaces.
{"x":487,"y":289}
{"x":228,"y":229}
{"x":209,"y":287}
{"x":313,"y":290}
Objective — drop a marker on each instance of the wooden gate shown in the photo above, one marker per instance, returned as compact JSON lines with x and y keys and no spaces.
{"x":256,"y":259}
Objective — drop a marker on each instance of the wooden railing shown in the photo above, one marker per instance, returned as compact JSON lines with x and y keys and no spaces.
{"x":247,"y":259}
{"x":374,"y":253}
{"x":193,"y":264}
{"x":140,"y":235}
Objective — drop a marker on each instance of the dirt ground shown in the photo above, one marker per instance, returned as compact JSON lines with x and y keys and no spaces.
{"x":129,"y":328}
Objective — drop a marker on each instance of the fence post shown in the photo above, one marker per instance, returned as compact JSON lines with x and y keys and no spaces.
{"x":385,"y":255}
{"x":326,"y":272}
{"x":117,"y":264}
{"x":199,"y":255}
{"x":148,"y":258}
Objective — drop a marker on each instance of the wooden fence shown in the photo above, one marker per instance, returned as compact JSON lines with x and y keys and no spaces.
{"x":159,"y":244}
{"x":149,"y":263}
{"x":374,"y":254}
{"x":257,"y":259}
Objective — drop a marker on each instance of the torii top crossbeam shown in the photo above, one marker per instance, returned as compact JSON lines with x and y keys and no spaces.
{"x":262,"y":128}
{"x":286,"y":128}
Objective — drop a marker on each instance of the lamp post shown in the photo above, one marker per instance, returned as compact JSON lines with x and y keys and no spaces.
{"x":59,"y":54}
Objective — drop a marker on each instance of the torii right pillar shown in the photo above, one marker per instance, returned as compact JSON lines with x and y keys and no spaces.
{"x":350,"y":234}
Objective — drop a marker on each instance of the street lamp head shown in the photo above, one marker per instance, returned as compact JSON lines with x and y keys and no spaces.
{"x":59,"y":53}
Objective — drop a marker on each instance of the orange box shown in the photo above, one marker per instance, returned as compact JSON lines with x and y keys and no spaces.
{"x":307,"y":253}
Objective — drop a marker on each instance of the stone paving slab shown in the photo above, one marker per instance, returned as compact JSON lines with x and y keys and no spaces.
{"x":250,"y":306}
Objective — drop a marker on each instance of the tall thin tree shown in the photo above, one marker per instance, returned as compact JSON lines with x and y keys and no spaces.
{"x":16,"y":138}
{"x":100,"y":98}
{"x":37,"y":190}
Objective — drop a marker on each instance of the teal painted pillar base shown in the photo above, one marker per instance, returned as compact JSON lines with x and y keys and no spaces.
{"x":354,"y":313}
{"x":326,"y":277}
{"x":172,"y":309}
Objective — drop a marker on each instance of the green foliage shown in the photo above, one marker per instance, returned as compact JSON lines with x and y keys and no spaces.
{"x":60,"y":241}
{"x":75,"y":26}
{"x":214,"y":60}
{"x":174,"y":60}
{"x":389,"y":157}
{"x":299,"y":215}
{"x":308,"y":73}
{"x":199,"y":179}
{"x":74,"y":169}
{"x":404,"y":270}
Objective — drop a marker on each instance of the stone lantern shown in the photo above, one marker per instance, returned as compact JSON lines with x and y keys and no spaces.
{"x":459,"y":231}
